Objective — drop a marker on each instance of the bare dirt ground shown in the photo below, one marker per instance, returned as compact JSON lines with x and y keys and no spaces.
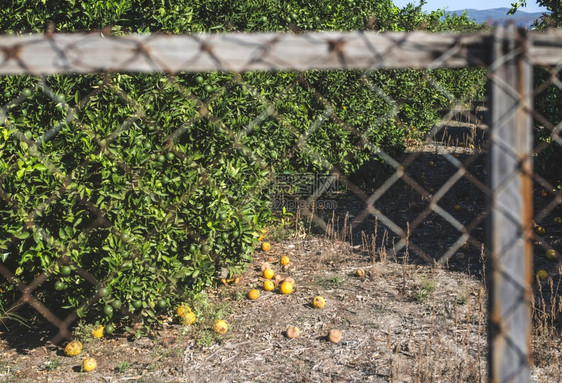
{"x":407,"y":320}
{"x":399,"y":323}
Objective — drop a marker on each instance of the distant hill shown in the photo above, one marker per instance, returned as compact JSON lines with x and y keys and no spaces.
{"x":500,"y":16}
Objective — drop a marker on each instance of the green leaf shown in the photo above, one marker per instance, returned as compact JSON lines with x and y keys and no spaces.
{"x":22,"y":235}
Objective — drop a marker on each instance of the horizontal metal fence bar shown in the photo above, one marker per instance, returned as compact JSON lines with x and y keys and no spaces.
{"x":237,"y":52}
{"x":545,"y":48}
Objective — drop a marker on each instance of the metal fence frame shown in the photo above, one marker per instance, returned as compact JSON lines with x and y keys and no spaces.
{"x":509,"y":53}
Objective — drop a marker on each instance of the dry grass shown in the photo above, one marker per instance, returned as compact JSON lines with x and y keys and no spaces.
{"x":400,"y":323}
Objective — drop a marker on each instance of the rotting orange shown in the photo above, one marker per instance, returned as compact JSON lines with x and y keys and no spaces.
{"x":89,"y":364}
{"x":265,"y":246}
{"x":253,"y":294}
{"x":188,"y":318}
{"x":551,"y":255}
{"x":318,"y":302}
{"x":284,"y":260}
{"x":73,"y":348}
{"x":360,"y":273}
{"x":182,"y":310}
{"x":268,"y":273}
{"x":542,"y":275}
{"x":286,"y":287}
{"x":334,"y":336}
{"x":278,"y":279}
{"x":221,"y":327}
{"x":98,"y":332}
{"x":268,"y":285}
{"x":293,"y":332}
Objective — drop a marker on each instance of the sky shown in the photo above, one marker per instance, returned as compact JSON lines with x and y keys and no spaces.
{"x":453,"y":5}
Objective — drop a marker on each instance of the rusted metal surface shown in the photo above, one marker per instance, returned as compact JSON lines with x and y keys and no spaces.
{"x":510,"y":172}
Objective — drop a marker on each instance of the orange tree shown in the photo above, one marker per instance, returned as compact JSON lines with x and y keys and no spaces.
{"x":553,"y":16}
{"x":122,"y":194}
{"x":548,"y":101}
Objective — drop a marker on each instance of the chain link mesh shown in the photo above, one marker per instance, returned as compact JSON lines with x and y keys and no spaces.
{"x":434,"y":216}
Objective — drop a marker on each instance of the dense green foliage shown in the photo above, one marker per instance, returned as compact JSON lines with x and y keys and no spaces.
{"x":127,"y":192}
{"x":548,"y":100}
{"x":180,"y":16}
{"x":547,"y":121}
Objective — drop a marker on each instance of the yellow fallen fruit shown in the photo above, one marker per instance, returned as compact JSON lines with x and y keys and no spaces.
{"x":182,"y":310}
{"x":551,"y":255}
{"x":268,"y":285}
{"x":265,"y":246}
{"x":318,"y":302}
{"x":188,"y":319}
{"x":73,"y":348}
{"x":286,"y":287}
{"x":284,"y":260}
{"x":89,"y":364}
{"x":98,"y":332}
{"x":268,"y":273}
{"x":253,"y":294}
{"x":221,"y":327}
{"x":542,"y":275}
{"x":360,"y":273}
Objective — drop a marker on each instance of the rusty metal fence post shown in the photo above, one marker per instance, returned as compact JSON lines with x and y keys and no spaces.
{"x":510,"y":230}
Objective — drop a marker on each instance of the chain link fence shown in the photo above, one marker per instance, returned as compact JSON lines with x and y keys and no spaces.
{"x":476,"y":203}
